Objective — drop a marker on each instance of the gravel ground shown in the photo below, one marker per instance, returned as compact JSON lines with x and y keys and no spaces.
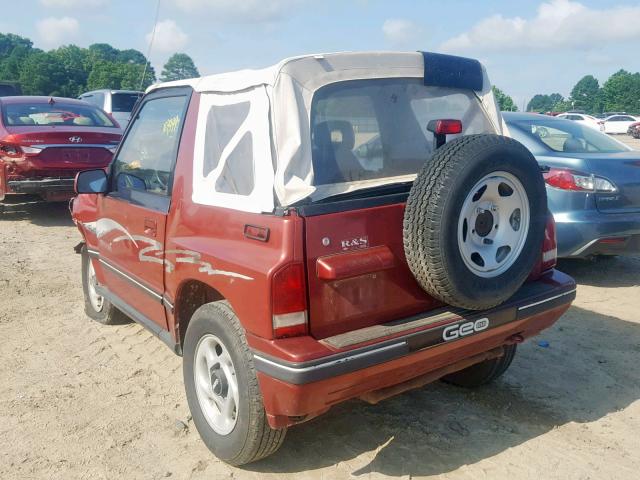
{"x":83,"y":401}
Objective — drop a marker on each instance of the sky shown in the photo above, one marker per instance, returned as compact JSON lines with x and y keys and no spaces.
{"x":528,"y":47}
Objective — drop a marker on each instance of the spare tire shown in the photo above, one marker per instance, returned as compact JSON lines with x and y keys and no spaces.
{"x":474,"y":221}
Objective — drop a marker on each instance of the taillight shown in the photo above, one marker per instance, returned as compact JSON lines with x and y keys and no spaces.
{"x":12,"y":151}
{"x":549,"y":245}
{"x":17,"y":151}
{"x":445,"y":126}
{"x":289,"y":301}
{"x":566,"y":179}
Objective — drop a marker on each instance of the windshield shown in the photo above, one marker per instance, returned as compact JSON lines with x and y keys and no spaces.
{"x":374,"y":129}
{"x":37,"y":114}
{"x":124,"y":102}
{"x":564,"y":136}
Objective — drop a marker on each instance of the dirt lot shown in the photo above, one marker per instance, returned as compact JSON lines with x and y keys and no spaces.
{"x":82,"y":401}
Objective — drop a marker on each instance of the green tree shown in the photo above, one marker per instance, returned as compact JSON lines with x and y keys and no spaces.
{"x":585,"y":95}
{"x":505,"y":102}
{"x":74,"y":62}
{"x":131,"y":74}
{"x":10,"y":67}
{"x":621,"y":92}
{"x":9,"y":42}
{"x":545,"y":103}
{"x":70,"y":70}
{"x":104,"y":52}
{"x":13,"y":52}
{"x":116,"y":76}
{"x":178,"y":67}
{"x":42,"y":74}
{"x":131,"y":56}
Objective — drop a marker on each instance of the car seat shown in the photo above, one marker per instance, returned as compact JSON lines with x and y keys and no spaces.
{"x":333,"y":158}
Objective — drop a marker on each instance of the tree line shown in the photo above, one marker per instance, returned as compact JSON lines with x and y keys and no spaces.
{"x":619,"y":93}
{"x":70,"y":70}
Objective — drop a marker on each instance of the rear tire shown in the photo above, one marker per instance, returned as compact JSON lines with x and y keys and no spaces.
{"x":96,"y":306}
{"x":215,"y":349}
{"x":483,"y":372}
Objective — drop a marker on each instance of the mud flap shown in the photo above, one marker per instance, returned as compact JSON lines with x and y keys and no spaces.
{"x":78,"y":247}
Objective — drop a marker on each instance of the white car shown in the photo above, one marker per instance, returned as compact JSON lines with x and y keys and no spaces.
{"x":618,"y":123}
{"x":582,"y":118}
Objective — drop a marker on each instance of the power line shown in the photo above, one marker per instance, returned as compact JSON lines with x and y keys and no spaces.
{"x":153,"y":36}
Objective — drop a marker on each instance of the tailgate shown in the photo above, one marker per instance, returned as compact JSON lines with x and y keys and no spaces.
{"x":74,"y":158}
{"x":356,"y":270}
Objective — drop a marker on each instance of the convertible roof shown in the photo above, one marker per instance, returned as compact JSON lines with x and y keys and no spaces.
{"x":305,"y":70}
{"x":278,"y":119}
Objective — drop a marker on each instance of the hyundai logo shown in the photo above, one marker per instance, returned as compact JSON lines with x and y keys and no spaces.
{"x":75,"y":139}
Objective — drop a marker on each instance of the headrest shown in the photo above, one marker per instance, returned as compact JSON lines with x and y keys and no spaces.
{"x":82,"y":121}
{"x":572,"y":144}
{"x":337,"y":132}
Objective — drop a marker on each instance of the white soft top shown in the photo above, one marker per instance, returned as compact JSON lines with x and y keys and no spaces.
{"x":279,"y":119}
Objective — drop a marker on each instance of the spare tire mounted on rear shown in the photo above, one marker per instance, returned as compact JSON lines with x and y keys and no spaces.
{"x":475,"y":219}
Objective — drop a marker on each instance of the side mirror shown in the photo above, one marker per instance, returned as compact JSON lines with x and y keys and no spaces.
{"x":91,"y":181}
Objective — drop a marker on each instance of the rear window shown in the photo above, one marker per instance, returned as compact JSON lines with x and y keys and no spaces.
{"x":38,"y":114}
{"x":124,"y":102}
{"x":372,"y":129}
{"x":563,"y":136}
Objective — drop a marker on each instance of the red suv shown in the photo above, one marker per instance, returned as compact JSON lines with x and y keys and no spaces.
{"x":337,"y":226}
{"x":45,"y":141}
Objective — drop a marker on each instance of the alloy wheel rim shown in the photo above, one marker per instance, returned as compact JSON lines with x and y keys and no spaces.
{"x":493,"y":224}
{"x":96,"y":300}
{"x":216,"y":384}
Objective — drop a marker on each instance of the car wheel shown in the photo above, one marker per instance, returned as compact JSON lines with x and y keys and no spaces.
{"x":96,"y":306}
{"x":474,"y":221}
{"x":222,"y":388}
{"x":483,"y":372}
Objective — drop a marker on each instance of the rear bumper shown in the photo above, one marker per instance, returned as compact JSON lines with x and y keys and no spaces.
{"x":51,"y":189}
{"x":294,"y":391}
{"x":581,"y":233}
{"x":40,"y":185}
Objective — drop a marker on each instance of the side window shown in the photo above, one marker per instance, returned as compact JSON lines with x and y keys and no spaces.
{"x":233,"y":150}
{"x":224,"y":131}
{"x":98,"y":100}
{"x":147,"y":154}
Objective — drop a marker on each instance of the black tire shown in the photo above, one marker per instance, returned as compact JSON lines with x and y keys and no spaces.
{"x":433,"y":208}
{"x":483,"y":372}
{"x":107,"y":314}
{"x":251,"y":438}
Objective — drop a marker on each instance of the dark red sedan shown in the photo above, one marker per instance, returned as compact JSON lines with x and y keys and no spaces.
{"x":634,"y":130}
{"x":45,"y":141}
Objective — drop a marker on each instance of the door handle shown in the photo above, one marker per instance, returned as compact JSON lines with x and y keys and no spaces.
{"x":150,"y":227}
